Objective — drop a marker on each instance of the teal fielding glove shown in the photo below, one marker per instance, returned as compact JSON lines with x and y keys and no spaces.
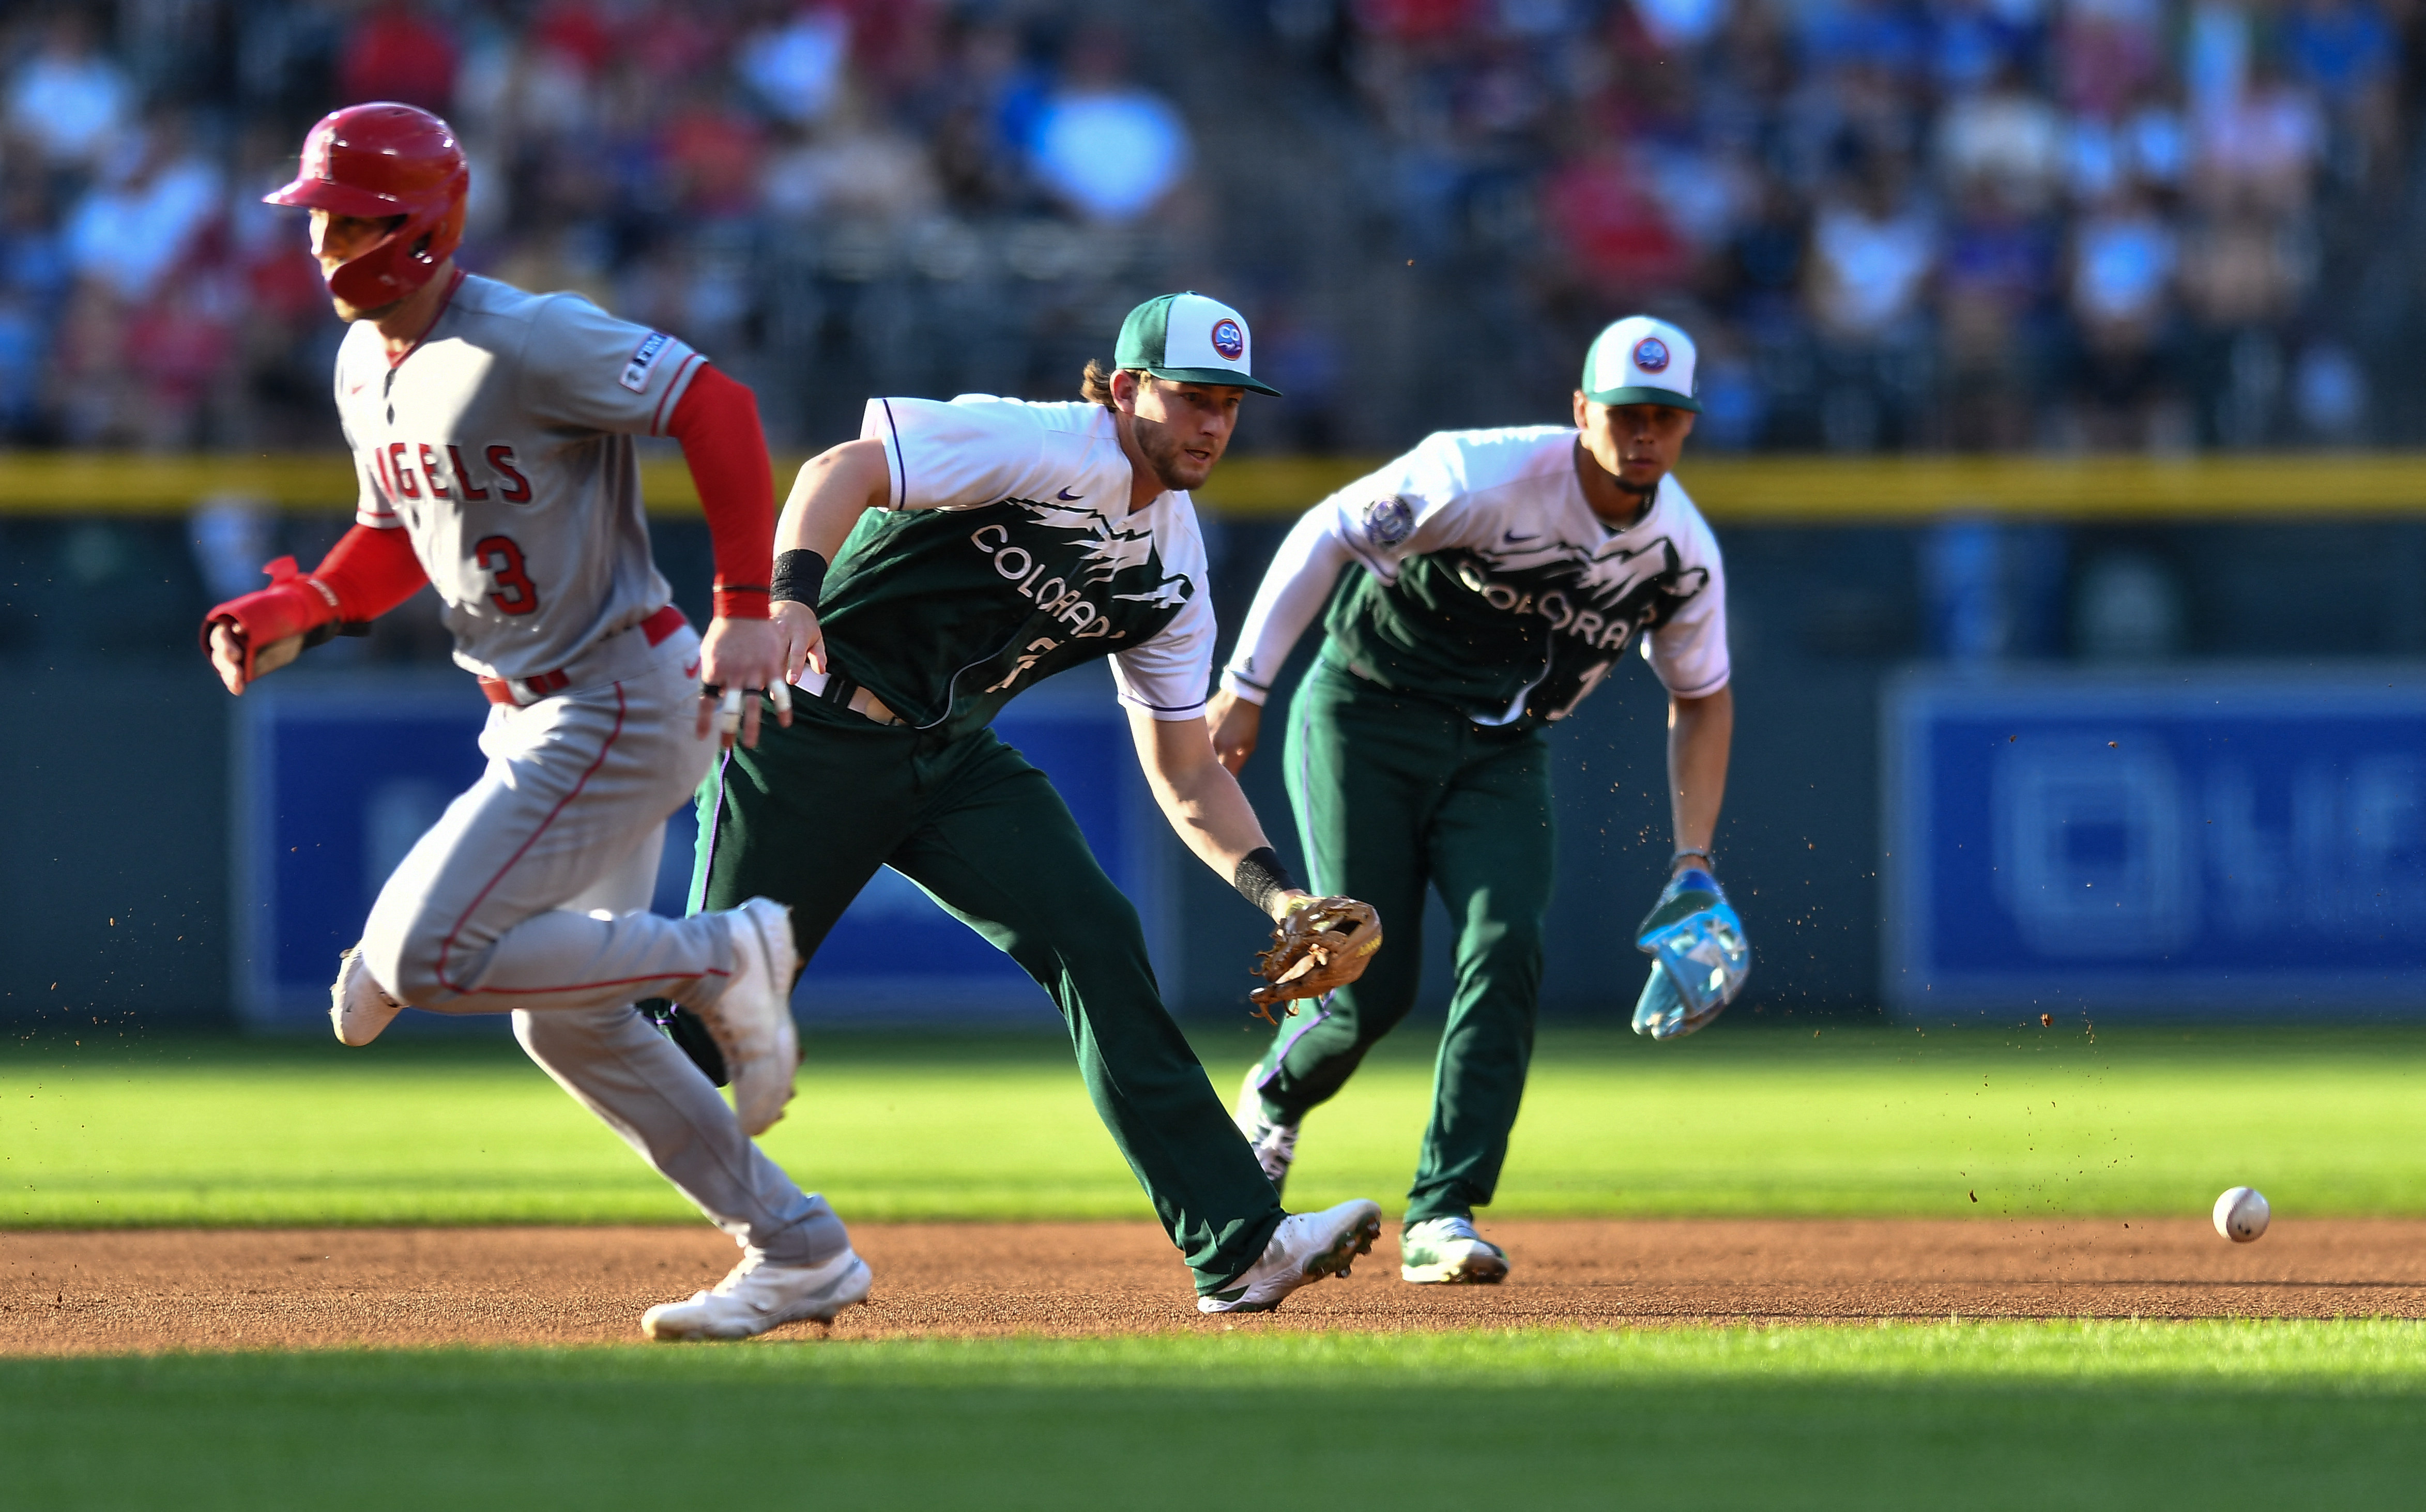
{"x":1700,"y":957}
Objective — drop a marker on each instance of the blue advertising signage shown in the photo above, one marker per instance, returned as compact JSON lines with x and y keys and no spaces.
{"x":2222,"y":840}
{"x":336,"y":778}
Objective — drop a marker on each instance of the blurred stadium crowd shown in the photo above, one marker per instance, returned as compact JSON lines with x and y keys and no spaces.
{"x":1897,"y":224}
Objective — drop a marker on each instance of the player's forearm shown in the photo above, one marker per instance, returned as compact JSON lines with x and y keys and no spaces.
{"x":725,"y":447}
{"x":1197,"y":794}
{"x":834,"y":488}
{"x":1701,"y":732}
{"x":1292,"y":593}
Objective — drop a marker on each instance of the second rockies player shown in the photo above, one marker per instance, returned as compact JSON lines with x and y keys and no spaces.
{"x":977,"y":548}
{"x":491,"y":431}
{"x":1500,"y":575}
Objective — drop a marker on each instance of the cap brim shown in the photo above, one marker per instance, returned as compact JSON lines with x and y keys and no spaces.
{"x":336,"y":199}
{"x":1668,"y":398}
{"x":1226,"y":376}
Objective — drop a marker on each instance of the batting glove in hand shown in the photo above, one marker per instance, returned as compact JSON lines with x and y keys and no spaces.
{"x":1700,"y":957}
{"x":280,"y":622}
{"x":1318,"y":945}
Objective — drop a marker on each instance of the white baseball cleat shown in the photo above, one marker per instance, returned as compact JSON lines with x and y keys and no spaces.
{"x":1448,"y":1252}
{"x":752,"y":1020}
{"x":759,"y":1294}
{"x":1306,"y":1247}
{"x":359,"y":1008}
{"x":1276,"y":1144}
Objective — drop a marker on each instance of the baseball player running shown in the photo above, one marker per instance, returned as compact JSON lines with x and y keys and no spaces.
{"x":491,"y":433}
{"x":1503,"y":573}
{"x":952,"y":556}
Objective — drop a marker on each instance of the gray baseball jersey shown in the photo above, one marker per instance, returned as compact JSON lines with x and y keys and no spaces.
{"x":502,"y":441}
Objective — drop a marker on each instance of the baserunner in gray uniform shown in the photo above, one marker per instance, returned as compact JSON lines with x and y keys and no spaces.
{"x":492,"y":429}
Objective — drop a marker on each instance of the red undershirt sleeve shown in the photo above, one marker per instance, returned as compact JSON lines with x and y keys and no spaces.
{"x":725,"y":447}
{"x":371,"y":572}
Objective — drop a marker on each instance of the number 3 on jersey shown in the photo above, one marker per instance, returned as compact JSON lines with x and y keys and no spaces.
{"x":503,"y":561}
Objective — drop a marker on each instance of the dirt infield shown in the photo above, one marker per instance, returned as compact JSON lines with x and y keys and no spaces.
{"x":262,"y":1289}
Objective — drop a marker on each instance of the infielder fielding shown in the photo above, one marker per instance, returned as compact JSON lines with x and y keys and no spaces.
{"x":491,"y":433}
{"x":1503,"y":572}
{"x":952,"y":556}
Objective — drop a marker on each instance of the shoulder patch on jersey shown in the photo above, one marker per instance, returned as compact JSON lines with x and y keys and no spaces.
{"x":645,"y":357}
{"x":1389,"y":521}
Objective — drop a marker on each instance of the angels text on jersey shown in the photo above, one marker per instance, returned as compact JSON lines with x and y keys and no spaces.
{"x":501,"y":442}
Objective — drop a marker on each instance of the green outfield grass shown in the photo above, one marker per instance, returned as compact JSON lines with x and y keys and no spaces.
{"x":2015,"y":1415}
{"x":1756,"y":1120}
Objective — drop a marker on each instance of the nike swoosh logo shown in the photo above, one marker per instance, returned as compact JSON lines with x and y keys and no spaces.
{"x":692,"y":670}
{"x":1511,"y":536}
{"x":1068,"y":497}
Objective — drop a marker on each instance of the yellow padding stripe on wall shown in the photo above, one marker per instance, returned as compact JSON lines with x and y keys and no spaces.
{"x":1787,"y":490}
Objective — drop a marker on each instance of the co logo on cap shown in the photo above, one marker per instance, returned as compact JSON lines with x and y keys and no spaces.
{"x":1651,"y":355}
{"x":1229,"y":340}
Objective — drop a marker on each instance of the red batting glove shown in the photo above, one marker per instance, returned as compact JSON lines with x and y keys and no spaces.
{"x":293,"y":604}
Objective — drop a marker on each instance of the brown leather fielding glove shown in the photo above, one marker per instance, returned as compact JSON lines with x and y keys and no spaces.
{"x":1319,"y":944}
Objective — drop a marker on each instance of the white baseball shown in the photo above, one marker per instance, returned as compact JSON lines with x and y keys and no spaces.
{"x":2241,"y":1214}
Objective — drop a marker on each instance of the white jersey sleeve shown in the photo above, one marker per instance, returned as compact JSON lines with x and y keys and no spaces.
{"x":1420,"y":503}
{"x":585,"y":370}
{"x":1293,"y":592}
{"x":974,"y":450}
{"x":1690,"y":653}
{"x":1166,"y":676}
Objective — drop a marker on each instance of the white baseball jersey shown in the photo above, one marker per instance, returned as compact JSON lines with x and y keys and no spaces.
{"x":1011,"y":553}
{"x":502,"y":442}
{"x":1491,"y":584}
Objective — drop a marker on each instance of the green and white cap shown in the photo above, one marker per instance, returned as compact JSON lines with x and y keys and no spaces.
{"x":1189,"y":339}
{"x":1641,"y":361}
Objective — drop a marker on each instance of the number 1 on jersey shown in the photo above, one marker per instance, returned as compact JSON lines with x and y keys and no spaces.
{"x":503,"y":560}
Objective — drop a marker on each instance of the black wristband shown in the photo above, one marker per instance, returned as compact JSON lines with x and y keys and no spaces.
{"x":799,"y":577}
{"x":1259,"y":876}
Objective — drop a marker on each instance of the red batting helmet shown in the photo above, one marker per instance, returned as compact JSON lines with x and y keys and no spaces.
{"x":378,"y":161}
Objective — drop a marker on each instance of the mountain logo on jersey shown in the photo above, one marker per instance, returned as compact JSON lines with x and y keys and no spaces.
{"x":1038,"y":560}
{"x":1105,"y":550}
{"x":1595,"y":606}
{"x":1651,"y":355}
{"x":1600,"y":601}
{"x":1388,"y":520}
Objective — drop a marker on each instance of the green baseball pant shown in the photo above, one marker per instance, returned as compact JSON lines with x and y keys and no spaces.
{"x":808,"y":816}
{"x":1394,"y":793}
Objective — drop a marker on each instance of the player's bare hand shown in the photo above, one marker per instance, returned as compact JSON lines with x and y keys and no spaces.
{"x":805,"y":640}
{"x":741,"y":657}
{"x":227,"y":655}
{"x":1236,"y":724}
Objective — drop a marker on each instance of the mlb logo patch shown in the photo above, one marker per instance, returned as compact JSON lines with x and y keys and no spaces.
{"x":1388,"y":521}
{"x":1651,"y":355}
{"x":636,"y":371}
{"x":1229,"y":340}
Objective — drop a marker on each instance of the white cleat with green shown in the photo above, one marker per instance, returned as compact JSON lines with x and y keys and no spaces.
{"x":1448,"y":1252}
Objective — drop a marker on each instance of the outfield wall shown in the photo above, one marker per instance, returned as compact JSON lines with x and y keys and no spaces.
{"x":1843,"y":576}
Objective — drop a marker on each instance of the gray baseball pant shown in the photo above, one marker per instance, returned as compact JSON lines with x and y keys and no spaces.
{"x":530,"y":895}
